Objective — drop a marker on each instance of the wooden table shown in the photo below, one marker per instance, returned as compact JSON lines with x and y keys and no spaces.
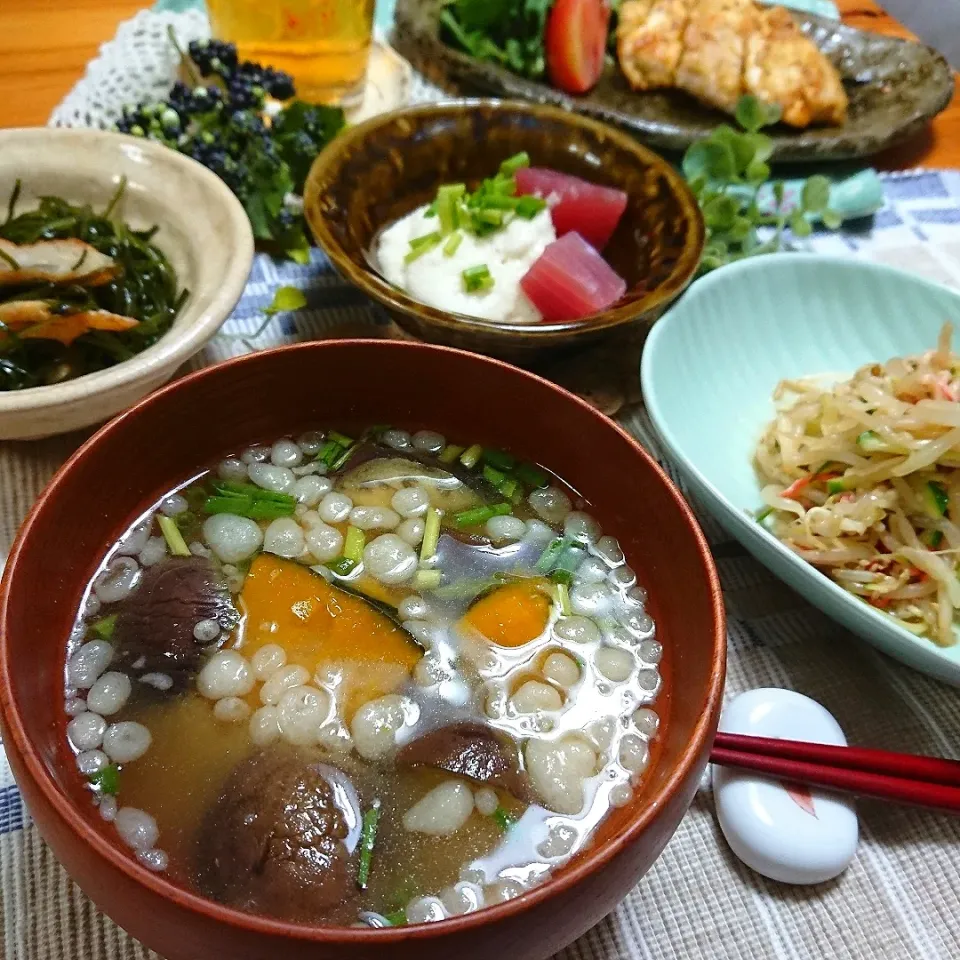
{"x":44,"y":45}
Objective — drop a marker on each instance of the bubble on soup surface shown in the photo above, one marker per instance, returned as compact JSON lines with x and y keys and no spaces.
{"x":265,"y":726}
{"x":88,"y":663}
{"x":126,"y":741}
{"x":137,"y":829}
{"x":609,"y":549}
{"x":646,"y":721}
{"x":86,"y":731}
{"x":390,"y":559}
{"x":232,"y":469}
{"x":285,"y":453}
{"x":561,"y":669}
{"x":91,"y":606}
{"x":90,"y":762}
{"x":374,"y":518}
{"x":412,"y":530}
{"x":430,"y":671}
{"x":231,"y":710}
{"x":429,"y":441}
{"x":268,"y":660}
{"x":335,"y":507}
{"x":558,"y":769}
{"x":233,"y":539}
{"x":324,"y":542}
{"x":442,"y":811}
{"x":109,"y":693}
{"x":302,"y":711}
{"x":284,"y":538}
{"x":411,"y":501}
{"x":505,"y":529}
{"x":581,"y":527}
{"x":375,"y":725}
{"x":154,"y":550}
{"x":550,"y":504}
{"x":538,"y":532}
{"x":283,"y":679}
{"x":462,"y":897}
{"x":269,"y":477}
{"x":577,"y":630}
{"x":311,"y":490}
{"x":118,"y":580}
{"x":534,"y":696}
{"x":614,"y":663}
{"x":256,"y":454}
{"x":226,"y":674}
{"x":426,"y":910}
{"x":281,"y":838}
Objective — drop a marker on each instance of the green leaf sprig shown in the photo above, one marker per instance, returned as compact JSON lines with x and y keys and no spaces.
{"x":726,"y":170}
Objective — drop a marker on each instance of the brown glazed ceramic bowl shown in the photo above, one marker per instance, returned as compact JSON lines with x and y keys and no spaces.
{"x":260,"y":397}
{"x":377,"y":172}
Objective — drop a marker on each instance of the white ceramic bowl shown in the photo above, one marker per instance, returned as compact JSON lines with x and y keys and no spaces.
{"x":203,"y":230}
{"x":709,"y":369}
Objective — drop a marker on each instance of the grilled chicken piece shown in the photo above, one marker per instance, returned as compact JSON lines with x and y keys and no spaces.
{"x":650,"y":41}
{"x":785,"y":68}
{"x":718,"y":50}
{"x":55,"y":261}
{"x":714,"y":46}
{"x":34,"y":320}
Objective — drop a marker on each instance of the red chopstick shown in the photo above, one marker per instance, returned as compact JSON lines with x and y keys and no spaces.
{"x":904,"y":778}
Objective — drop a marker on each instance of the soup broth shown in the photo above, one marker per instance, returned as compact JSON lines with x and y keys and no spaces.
{"x":375,"y":679}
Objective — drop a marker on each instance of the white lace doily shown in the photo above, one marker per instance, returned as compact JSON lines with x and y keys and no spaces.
{"x":140,"y":63}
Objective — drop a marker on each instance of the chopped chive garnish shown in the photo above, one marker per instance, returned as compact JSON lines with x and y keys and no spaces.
{"x":427,"y":579}
{"x":512,"y":164}
{"x":431,"y":534}
{"x":447,"y":199}
{"x":478,"y":515}
{"x":341,"y":438}
{"x":563,"y":598}
{"x":341,"y":460}
{"x":353,"y":544}
{"x":503,"y":819}
{"x":550,"y":556}
{"x":107,"y":779}
{"x":173,"y":536}
{"x":104,"y":627}
{"x":490,"y":215}
{"x":511,"y":490}
{"x":471,"y":456}
{"x":227,"y":489}
{"x":396,"y":918}
{"x":450,"y":453}
{"x":527,"y":473}
{"x":431,"y":211}
{"x":528,"y":207}
{"x":235,"y":504}
{"x":368,"y":837}
{"x":328,"y":452}
{"x":495,"y":476}
{"x":270,"y":510}
{"x":562,"y":576}
{"x":452,"y":244}
{"x":497,"y":202}
{"x":420,"y":245}
{"x":342,"y":567}
{"x":499,"y":459}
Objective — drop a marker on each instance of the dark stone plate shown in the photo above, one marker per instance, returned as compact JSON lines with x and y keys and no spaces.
{"x":895,"y":87}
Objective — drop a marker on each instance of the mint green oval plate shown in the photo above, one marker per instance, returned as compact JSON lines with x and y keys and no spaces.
{"x":711,"y":363}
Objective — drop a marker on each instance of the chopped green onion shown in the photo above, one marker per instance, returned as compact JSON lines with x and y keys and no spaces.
{"x":527,"y":473}
{"x":478,"y":515}
{"x":396,"y":918}
{"x":341,"y":439}
{"x":238,"y":505}
{"x":528,"y":207}
{"x":447,"y":199}
{"x":512,"y":164}
{"x":228,"y":489}
{"x":353,"y":544}
{"x":936,"y":499}
{"x":107,"y":779}
{"x":450,"y":453}
{"x":420,"y":245}
{"x":836,"y":486}
{"x":562,"y":576}
{"x":763,"y":514}
{"x":431,"y":211}
{"x":368,"y":837}
{"x":495,"y":476}
{"x":427,"y":579}
{"x":452,"y":244}
{"x":489,"y":215}
{"x":344,"y":457}
{"x":342,"y":566}
{"x":550,"y":556}
{"x":329,"y":452}
{"x":503,"y":819}
{"x":499,"y":459}
{"x":104,"y":627}
{"x":511,"y":490}
{"x":173,"y":536}
{"x":270,"y":510}
{"x":471,"y":456}
{"x":570,"y":559}
{"x":431,"y":534}
{"x":563,"y":598}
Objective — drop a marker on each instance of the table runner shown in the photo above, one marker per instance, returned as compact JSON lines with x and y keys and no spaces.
{"x":899,"y":899}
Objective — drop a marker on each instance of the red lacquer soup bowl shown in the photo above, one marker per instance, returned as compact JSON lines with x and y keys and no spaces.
{"x":135,"y":459}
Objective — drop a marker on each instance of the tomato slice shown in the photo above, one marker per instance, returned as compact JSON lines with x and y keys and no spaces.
{"x":575,"y":42}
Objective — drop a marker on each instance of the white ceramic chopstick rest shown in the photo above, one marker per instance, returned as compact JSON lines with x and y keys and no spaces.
{"x":787,"y":832}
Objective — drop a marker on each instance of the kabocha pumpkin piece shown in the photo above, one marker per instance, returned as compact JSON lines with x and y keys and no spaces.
{"x":512,"y":615}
